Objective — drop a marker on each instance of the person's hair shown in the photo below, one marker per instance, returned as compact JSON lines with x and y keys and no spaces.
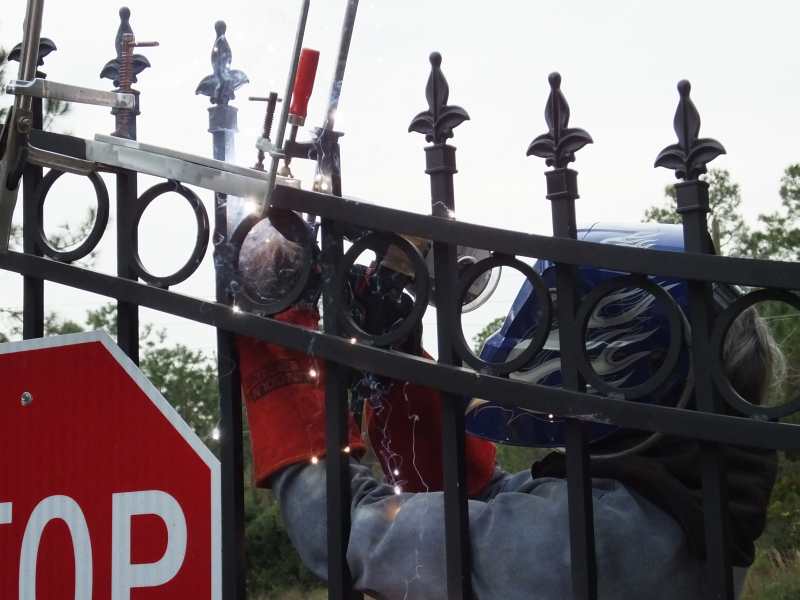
{"x":753,"y":361}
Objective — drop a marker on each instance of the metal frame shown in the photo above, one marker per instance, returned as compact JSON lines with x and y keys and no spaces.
{"x":342,"y":218}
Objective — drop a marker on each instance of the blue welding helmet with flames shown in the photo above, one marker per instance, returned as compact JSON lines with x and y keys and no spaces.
{"x":627,"y":339}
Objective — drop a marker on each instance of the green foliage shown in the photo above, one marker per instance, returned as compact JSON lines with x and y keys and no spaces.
{"x":273,"y":566}
{"x":728,"y":229}
{"x":778,"y":237}
{"x":484,"y":334}
{"x":773,"y":577}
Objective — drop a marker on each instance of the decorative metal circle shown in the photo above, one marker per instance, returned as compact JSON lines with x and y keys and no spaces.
{"x":294,"y":229}
{"x":472,"y":273}
{"x":676,"y":335}
{"x":721,"y":326}
{"x":96,"y":233}
{"x":379,"y":242}
{"x":200,"y":244}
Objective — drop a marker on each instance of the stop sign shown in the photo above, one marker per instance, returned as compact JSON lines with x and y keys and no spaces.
{"x":105,"y":492}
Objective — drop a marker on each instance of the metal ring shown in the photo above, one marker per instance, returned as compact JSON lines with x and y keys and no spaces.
{"x":720,"y":331}
{"x":676,"y":331}
{"x":378,"y":242}
{"x":248,"y":299}
{"x":98,"y":228}
{"x":542,"y":329}
{"x":200,"y":244}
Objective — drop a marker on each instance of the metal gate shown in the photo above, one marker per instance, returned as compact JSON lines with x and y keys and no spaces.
{"x":344,"y":346}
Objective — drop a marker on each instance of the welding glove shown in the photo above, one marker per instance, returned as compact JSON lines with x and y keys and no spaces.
{"x":284,"y":391}
{"x":403,"y":420}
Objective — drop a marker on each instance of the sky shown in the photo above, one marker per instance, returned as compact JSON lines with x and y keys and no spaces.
{"x":620,"y":62}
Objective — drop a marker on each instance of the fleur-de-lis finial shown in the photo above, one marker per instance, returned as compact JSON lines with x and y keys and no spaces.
{"x":139,"y":63}
{"x":46,"y":46}
{"x":689,"y":157}
{"x":438,"y":122}
{"x":559,"y":145}
{"x":221,"y":85}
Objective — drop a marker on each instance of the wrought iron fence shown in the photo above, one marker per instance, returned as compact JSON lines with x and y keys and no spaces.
{"x":344,"y":345}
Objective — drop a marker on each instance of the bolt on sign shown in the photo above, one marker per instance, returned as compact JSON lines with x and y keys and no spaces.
{"x":105,"y":492}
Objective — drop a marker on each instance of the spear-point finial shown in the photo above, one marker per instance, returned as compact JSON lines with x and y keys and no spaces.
{"x":223,"y":82}
{"x":689,"y":157}
{"x":139,"y":63}
{"x":559,"y":145}
{"x":438,"y":122}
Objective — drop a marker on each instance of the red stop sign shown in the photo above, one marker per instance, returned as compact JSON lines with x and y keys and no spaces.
{"x":105,"y":492}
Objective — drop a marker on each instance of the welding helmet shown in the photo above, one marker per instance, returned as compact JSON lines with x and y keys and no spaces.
{"x":628,"y":338}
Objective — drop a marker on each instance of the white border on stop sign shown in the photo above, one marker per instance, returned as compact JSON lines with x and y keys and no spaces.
{"x":186,"y":432}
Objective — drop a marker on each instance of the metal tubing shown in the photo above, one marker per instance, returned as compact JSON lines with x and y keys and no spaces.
{"x":20,"y":122}
{"x":562,"y":191}
{"x":52,"y":90}
{"x":441,"y":166}
{"x":678,"y":265}
{"x":287,"y":99}
{"x":348,"y":25}
{"x":33,"y":287}
{"x":457,"y":381}
{"x":693,"y":204}
{"x":340,"y":584}
{"x":223,"y":126}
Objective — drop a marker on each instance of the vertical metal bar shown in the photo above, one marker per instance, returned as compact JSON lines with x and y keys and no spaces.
{"x":688,"y":158}
{"x":222,"y":126}
{"x":562,"y":190}
{"x":693,"y":203}
{"x":287,"y":96}
{"x":127,"y":238}
{"x":33,"y":288}
{"x":441,"y":166}
{"x":340,"y":585}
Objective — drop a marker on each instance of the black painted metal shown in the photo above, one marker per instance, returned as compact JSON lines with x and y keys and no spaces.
{"x":33,"y":288}
{"x":458,"y":381}
{"x":123,"y":70}
{"x":201,"y":239}
{"x":222,"y":124}
{"x":688,"y":158}
{"x":340,"y":584}
{"x":558,"y":147}
{"x":98,"y":227}
{"x":346,"y":217}
{"x":437,"y":123}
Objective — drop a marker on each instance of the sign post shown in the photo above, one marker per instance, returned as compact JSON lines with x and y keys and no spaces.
{"x":105,"y":492}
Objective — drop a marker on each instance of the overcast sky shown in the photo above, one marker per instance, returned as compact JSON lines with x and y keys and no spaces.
{"x":620,"y":62}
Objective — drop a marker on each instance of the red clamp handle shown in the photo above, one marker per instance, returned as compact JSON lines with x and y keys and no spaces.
{"x":303,"y":85}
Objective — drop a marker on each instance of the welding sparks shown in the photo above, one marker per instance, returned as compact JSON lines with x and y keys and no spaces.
{"x":397,"y":490}
{"x":215,"y":434}
{"x":314,"y":460}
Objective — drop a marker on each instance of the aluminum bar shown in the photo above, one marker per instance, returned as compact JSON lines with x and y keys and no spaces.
{"x":52,"y":90}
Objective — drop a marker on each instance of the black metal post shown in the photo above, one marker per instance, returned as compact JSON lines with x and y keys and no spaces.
{"x":692,"y":197}
{"x":123,"y":70}
{"x":340,"y":584}
{"x":33,"y":288}
{"x":689,"y":158}
{"x":558,"y":147}
{"x":437,"y":123}
{"x":222,"y":124}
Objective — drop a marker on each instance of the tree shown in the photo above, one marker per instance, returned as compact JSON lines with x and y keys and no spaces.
{"x":484,"y":334}
{"x":728,"y":229}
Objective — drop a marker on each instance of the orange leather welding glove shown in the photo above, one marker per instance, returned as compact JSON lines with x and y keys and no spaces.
{"x":284,"y":391}
{"x":405,"y":432}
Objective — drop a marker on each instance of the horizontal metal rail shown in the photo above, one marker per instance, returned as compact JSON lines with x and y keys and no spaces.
{"x":404,"y":367}
{"x":679,"y":265}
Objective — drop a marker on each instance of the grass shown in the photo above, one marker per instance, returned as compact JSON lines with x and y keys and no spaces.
{"x":773,"y":576}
